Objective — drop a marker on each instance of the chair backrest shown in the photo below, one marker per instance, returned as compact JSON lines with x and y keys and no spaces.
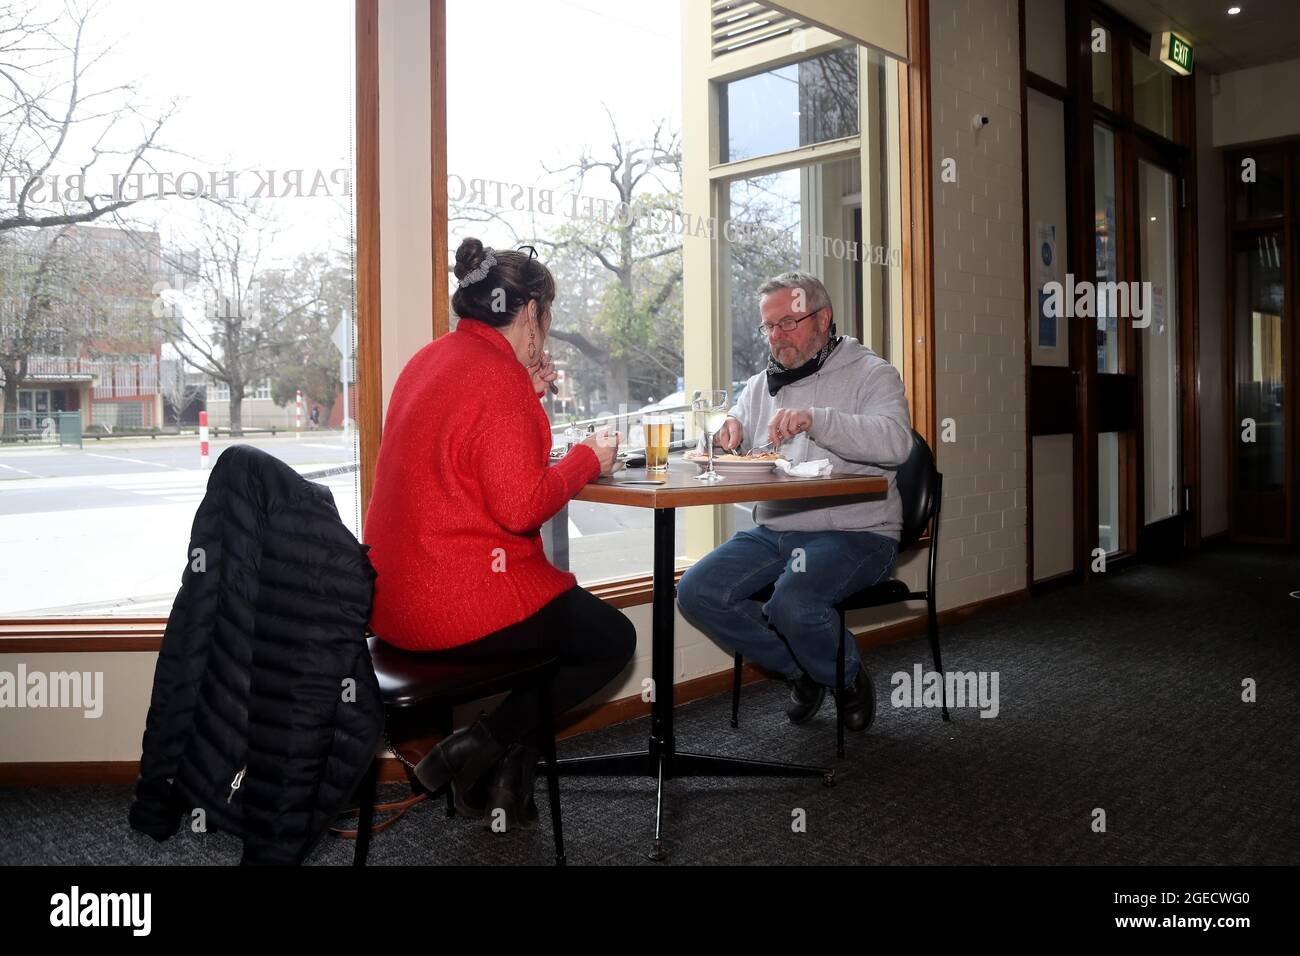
{"x":919,"y":487}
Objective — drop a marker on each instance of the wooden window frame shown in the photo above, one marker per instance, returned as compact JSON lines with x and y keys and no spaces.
{"x":143,"y":634}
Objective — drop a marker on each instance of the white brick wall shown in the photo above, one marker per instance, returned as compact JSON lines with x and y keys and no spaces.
{"x":979,"y":300}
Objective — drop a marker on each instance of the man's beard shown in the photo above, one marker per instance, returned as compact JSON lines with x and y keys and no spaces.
{"x":799,"y":358}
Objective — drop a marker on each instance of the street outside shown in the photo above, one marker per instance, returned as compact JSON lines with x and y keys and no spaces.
{"x":104,"y":529}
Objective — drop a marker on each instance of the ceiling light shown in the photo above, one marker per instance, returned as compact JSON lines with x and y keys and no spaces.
{"x":1153,"y":218}
{"x":1233,"y":11}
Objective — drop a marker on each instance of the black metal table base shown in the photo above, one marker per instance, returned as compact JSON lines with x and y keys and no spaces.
{"x":661,"y":760}
{"x":644,"y":763}
{"x":664,"y":764}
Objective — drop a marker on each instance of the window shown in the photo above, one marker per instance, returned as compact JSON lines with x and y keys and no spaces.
{"x":808,"y":102}
{"x":1153,"y":94}
{"x":1103,"y":66}
{"x":234,"y":259}
{"x":590,"y":174}
{"x":807,"y":175}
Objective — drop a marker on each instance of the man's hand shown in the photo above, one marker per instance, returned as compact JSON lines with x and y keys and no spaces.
{"x":730,"y":435}
{"x":788,"y":422}
{"x":543,"y":374}
{"x":605,"y":444}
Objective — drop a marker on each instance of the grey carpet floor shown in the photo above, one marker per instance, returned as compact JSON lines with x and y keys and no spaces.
{"x":1123,"y":695}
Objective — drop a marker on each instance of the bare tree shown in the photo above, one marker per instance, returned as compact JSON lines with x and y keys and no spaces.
{"x":222,"y":322}
{"x":58,"y":129}
{"x":637,"y":326}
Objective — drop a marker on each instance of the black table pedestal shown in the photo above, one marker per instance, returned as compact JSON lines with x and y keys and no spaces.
{"x":661,"y":759}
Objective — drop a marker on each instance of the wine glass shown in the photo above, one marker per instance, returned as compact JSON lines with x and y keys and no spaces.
{"x":710,"y":407}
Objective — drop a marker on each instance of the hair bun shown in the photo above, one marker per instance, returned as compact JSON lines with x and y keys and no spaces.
{"x":469,"y":257}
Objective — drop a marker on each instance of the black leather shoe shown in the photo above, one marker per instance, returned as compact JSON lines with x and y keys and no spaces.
{"x":461,"y":761}
{"x":859,"y":701}
{"x":806,"y":697}
{"x":512,"y":790}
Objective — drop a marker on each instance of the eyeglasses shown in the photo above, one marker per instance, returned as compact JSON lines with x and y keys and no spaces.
{"x":787,"y":324}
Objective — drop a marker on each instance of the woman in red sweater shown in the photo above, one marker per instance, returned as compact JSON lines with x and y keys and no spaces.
{"x":462,"y":486}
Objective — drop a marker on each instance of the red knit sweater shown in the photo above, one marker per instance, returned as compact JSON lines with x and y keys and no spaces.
{"x":462,"y":486}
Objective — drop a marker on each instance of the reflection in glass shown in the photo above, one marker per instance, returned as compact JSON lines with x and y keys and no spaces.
{"x":1259,"y":394}
{"x":1103,"y":82}
{"x":1108,"y":492}
{"x":811,"y":101}
{"x":1153,"y":94}
{"x":1262,"y":197}
{"x":1160,"y":341}
{"x":1106,"y":236}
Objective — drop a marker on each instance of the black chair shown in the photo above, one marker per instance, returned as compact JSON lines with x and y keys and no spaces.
{"x":419,"y":687}
{"x":920,"y":485}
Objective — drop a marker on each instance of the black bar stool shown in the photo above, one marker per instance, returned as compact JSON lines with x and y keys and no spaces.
{"x":413,"y":685}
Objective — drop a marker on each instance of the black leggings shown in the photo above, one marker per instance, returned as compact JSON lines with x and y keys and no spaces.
{"x":592,"y":641}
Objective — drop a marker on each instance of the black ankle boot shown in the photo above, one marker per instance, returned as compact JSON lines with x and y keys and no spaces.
{"x":859,"y":701}
{"x":806,"y":697}
{"x":512,"y":790}
{"x":461,"y":761}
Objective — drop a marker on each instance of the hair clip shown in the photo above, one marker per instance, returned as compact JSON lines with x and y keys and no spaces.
{"x":489,"y":260}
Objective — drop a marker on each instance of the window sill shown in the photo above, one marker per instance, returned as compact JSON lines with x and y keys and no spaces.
{"x":75,"y":635}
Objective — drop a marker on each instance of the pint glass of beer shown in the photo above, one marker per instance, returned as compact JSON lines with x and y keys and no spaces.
{"x":658,"y":434}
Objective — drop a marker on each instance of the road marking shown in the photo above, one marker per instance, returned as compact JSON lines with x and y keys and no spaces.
{"x":133,"y":461}
{"x":20,"y":471}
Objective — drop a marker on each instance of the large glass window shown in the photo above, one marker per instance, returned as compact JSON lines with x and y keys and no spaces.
{"x":220,"y":142}
{"x":811,"y":101}
{"x":590,"y":174}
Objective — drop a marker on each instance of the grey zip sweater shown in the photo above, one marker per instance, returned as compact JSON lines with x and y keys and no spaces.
{"x":860,"y":422}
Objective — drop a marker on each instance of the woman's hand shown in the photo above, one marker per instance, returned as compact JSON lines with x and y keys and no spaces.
{"x":543,"y":374}
{"x":605,"y":444}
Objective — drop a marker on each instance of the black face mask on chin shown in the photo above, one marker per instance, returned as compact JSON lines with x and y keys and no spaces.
{"x":778,"y":376}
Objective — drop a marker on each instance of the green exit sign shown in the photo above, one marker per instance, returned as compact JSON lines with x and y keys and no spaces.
{"x":1173,"y":51}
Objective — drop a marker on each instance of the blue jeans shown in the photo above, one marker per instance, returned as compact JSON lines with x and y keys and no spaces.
{"x":798,"y":629}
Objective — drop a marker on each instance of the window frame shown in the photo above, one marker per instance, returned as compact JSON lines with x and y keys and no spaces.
{"x":144,"y":634}
{"x":109,"y":633}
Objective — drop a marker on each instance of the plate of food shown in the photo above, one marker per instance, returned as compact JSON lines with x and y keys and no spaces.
{"x":727,"y":463}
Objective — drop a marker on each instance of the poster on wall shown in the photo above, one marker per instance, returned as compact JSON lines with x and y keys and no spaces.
{"x":1045,"y":272}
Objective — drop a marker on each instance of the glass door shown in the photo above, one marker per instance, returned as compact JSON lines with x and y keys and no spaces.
{"x":1259,"y":387}
{"x":1158,"y":335}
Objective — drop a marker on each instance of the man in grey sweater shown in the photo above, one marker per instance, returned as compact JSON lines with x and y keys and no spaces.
{"x":821,"y":396}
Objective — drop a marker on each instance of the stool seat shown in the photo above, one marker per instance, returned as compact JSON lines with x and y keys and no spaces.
{"x":886,"y":592}
{"x":410,"y":679}
{"x":415,"y":686}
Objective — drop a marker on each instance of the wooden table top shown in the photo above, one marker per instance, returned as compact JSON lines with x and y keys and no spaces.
{"x":681,"y":488}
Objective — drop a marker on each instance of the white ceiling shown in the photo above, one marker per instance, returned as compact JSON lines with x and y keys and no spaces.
{"x":1266,"y":31}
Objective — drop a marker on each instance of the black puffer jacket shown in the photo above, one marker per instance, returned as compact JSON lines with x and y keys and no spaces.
{"x":265,"y":711}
